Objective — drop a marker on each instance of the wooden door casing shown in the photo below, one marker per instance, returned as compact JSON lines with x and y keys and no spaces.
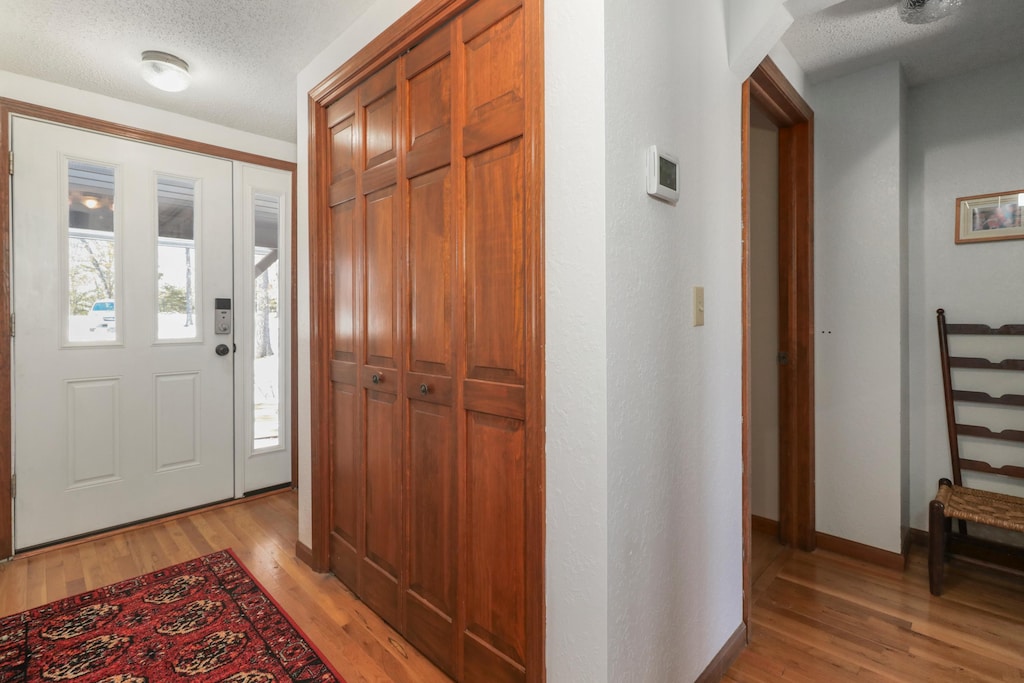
{"x":426,"y":169}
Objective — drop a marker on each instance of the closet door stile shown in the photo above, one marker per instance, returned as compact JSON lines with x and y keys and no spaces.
{"x":347,"y":466}
{"x":381,"y":373}
{"x":430,"y":389}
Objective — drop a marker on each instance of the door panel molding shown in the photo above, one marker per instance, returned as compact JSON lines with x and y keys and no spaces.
{"x":768,"y":88}
{"x":10,"y":107}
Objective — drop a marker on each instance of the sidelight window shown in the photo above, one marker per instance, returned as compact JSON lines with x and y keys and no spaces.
{"x":267,"y":322}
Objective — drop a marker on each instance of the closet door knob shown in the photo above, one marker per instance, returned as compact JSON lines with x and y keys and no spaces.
{"x":424,"y":389}
{"x":377,"y":379}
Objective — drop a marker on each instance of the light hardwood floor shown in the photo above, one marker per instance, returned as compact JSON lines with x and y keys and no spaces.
{"x":816,"y":617}
{"x":823,"y":617}
{"x":262,"y":532}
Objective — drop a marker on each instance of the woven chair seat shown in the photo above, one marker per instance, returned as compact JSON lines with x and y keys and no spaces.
{"x":984,"y":507}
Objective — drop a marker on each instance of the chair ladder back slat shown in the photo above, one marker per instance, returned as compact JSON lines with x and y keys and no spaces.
{"x":986,"y":433}
{"x":986,"y":364}
{"x":985,"y":329}
{"x":982,"y":397}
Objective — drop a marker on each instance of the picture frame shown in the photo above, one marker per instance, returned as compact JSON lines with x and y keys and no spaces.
{"x":990,"y":217}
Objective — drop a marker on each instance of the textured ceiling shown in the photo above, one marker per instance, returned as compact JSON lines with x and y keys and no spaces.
{"x":855,"y":34}
{"x":243,"y":54}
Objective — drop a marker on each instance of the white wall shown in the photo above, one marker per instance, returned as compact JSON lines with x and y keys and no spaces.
{"x":752,"y":28}
{"x":763,"y":268}
{"x":858,"y":261}
{"x":967,"y":138}
{"x":789,"y":68}
{"x":44,"y":93}
{"x":674,"y":457}
{"x":577,"y":543}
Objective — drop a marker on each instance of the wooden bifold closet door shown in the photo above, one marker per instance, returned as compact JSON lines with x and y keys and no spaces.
{"x":435,"y":371}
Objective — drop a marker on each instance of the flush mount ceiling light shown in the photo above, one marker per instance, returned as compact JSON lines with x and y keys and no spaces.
{"x":926,"y":11}
{"x":165,"y":71}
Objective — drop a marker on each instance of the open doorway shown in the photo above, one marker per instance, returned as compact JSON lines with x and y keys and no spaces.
{"x":782,"y":253}
{"x":763,"y":270}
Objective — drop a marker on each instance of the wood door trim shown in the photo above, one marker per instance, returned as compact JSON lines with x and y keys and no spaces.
{"x":415,"y":24}
{"x":9,"y":107}
{"x":768,"y":88}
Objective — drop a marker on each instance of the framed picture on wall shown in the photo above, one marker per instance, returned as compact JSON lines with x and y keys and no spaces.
{"x":988,"y":217}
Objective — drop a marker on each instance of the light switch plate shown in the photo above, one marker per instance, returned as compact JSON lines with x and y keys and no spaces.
{"x":698,"y":306}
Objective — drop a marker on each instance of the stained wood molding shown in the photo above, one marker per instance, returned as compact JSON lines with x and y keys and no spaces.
{"x":764,"y":525}
{"x":865,"y":553}
{"x":725,"y":657}
{"x":304,"y":554}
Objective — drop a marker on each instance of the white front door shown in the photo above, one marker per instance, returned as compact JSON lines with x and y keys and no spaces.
{"x":122,"y":404}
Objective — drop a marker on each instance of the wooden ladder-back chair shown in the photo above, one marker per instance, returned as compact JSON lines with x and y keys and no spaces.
{"x":956,"y":501}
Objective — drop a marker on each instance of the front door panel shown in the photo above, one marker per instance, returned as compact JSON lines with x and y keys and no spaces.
{"x":123,"y":407}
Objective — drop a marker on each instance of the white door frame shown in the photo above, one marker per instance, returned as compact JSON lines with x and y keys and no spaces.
{"x":9,"y":107}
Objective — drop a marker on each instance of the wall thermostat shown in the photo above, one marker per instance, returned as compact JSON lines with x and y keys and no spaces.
{"x":662,"y":175}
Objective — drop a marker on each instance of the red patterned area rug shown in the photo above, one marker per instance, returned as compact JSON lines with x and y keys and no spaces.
{"x":202,"y":621}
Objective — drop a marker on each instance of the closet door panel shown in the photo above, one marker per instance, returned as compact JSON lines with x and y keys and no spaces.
{"x":430,"y":274}
{"x":345,"y":285}
{"x":493,"y":583}
{"x":430,"y":607}
{"x":379,"y":100}
{"x":494,"y":586}
{"x":347,"y":473}
{"x":494,"y":74}
{"x":495,"y":265}
{"x":382,"y":332}
{"x":379,"y":586}
{"x":428,"y":69}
